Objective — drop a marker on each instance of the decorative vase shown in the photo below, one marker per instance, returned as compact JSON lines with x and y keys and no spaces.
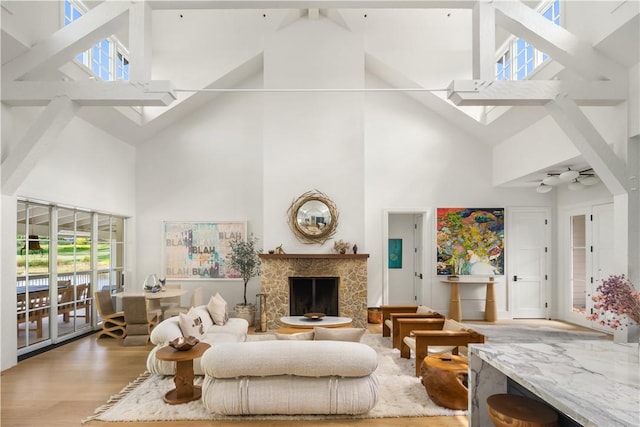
{"x":247,"y":312}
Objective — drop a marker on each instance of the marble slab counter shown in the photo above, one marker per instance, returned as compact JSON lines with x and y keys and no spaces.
{"x":595,"y":383}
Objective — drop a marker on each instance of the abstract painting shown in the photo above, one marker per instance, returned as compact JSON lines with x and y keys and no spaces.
{"x":395,"y":253}
{"x":470,"y":241}
{"x":198,"y":250}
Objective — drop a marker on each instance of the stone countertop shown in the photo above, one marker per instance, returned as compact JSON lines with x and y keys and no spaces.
{"x":596,"y":383}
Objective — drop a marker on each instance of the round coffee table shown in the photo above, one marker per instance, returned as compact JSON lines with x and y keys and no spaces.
{"x":185,"y":391}
{"x":308,"y":323}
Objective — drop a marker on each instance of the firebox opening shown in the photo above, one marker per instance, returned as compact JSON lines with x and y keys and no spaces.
{"x":313,"y":295}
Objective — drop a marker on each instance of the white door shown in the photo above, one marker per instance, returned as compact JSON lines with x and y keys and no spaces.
{"x":401,"y":278}
{"x":590,"y":258}
{"x":603,"y":244}
{"x":417,"y":257}
{"x":528,"y":243}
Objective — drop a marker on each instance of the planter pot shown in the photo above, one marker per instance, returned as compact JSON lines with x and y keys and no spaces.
{"x":247,"y":312}
{"x":374,"y":315}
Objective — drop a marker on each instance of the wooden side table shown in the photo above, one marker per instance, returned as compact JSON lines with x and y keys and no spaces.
{"x":444,"y":376}
{"x":185,"y":391}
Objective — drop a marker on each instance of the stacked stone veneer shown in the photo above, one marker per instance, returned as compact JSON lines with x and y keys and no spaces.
{"x":352,"y":287}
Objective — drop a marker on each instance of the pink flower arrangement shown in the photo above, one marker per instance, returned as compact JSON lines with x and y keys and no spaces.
{"x":615,"y":301}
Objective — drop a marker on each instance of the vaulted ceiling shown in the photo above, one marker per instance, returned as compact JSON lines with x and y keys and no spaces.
{"x":426,"y":46}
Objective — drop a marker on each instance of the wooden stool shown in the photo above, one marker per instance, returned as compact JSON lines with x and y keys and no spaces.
{"x":444,"y":376}
{"x":510,"y":410}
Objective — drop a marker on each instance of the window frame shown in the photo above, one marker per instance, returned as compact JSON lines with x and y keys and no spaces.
{"x":88,"y":57}
{"x":510,"y":48}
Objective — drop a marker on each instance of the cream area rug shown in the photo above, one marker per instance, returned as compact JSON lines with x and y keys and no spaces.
{"x":401,"y":395}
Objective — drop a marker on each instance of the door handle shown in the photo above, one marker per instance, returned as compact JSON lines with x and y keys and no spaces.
{"x":515,"y":278}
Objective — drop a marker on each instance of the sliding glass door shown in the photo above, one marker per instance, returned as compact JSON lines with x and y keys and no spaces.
{"x":77,"y":250}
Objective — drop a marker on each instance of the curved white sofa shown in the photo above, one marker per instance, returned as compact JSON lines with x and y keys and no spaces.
{"x":234,"y":330}
{"x":290,"y":377}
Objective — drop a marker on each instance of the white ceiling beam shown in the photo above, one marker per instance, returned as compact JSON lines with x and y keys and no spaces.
{"x":140,"y":42}
{"x":593,"y":147}
{"x":319,"y":4}
{"x":89,"y":93}
{"x":562,"y":45}
{"x":484,"y":41}
{"x":100,"y":22}
{"x":534,"y":92}
{"x":25,"y":154}
{"x":438,"y":105}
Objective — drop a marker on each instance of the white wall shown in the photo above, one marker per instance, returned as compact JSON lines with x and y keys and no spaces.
{"x":415,"y":160}
{"x":207,"y":167}
{"x":313,"y":141}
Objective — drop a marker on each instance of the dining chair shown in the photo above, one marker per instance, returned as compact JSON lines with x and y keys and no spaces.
{"x":197,"y":298}
{"x":139,"y":321}
{"x":113,"y":323}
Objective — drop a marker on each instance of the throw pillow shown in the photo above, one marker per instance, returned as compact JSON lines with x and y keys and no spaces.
{"x":202,"y":311}
{"x":191,"y":325}
{"x":338,"y":334}
{"x":452,"y":325}
{"x":299,"y":336}
{"x":217,"y":307}
{"x":423,"y":309}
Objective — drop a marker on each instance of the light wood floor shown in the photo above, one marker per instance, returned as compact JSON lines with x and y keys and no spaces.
{"x":65,"y":385}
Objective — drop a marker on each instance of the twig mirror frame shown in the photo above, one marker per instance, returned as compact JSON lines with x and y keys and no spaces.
{"x":302,"y":233}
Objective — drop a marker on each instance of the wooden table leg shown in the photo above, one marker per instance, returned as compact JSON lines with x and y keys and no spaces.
{"x":185,"y":391}
{"x":455,"y":308}
{"x":490,"y":310}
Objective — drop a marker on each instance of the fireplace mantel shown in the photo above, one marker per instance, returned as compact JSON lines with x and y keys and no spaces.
{"x":314,"y":256}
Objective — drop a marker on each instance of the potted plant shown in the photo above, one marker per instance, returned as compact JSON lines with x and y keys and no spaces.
{"x":245,"y":260}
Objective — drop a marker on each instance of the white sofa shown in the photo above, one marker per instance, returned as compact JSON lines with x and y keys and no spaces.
{"x":290,"y":377}
{"x":234,"y":330}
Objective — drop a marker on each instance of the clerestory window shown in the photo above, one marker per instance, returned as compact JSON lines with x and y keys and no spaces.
{"x":108,"y":59}
{"x":519,"y":58}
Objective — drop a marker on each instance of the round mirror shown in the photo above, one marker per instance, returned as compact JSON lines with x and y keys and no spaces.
{"x":313,"y":217}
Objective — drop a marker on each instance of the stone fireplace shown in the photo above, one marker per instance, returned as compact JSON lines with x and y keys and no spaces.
{"x":350,"y":270}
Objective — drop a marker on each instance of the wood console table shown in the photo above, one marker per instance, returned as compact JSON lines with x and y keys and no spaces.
{"x":455,"y":308}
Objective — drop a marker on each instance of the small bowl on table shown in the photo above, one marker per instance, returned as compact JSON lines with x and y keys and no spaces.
{"x":184,"y":343}
{"x":314,"y":316}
